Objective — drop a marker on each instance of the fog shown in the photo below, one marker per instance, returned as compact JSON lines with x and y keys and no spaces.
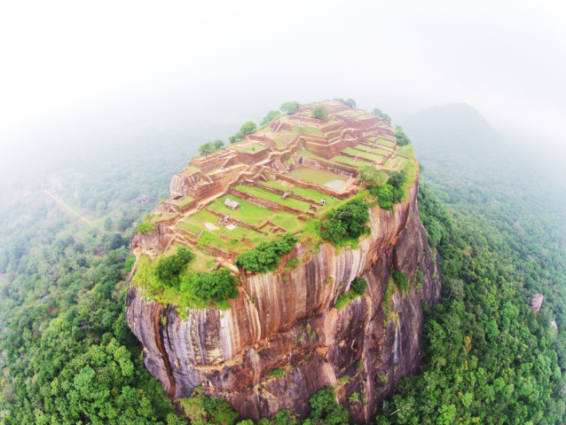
{"x":77,"y":77}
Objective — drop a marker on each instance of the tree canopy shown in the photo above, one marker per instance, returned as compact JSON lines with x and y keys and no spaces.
{"x":320,"y":112}
{"x":290,"y":107}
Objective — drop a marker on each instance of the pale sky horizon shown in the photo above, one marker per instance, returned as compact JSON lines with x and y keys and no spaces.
{"x":65,"y":63}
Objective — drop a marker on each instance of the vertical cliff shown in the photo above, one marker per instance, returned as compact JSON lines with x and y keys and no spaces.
{"x":286,"y":321}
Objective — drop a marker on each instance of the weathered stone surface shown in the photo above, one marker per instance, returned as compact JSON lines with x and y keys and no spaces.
{"x":536,"y":302}
{"x":286,"y":320}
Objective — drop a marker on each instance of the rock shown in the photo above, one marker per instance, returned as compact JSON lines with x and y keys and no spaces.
{"x":554,"y":325}
{"x":536,"y":302}
{"x":286,"y":320}
{"x":144,"y":199}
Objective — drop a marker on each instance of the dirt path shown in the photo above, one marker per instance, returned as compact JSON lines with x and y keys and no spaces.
{"x":78,"y":215}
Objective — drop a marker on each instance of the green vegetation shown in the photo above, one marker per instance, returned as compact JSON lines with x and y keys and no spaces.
{"x":277,"y":373}
{"x":348,"y":102}
{"x":394,"y":191}
{"x":210,"y":147}
{"x":320,"y":112}
{"x":219,"y":285}
{"x":402,"y":138}
{"x":372,"y":176}
{"x":270,"y":196}
{"x":146,"y":227}
{"x":319,"y":177}
{"x":499,"y":229}
{"x":265,"y":257}
{"x":400,"y":280}
{"x":169,"y":268}
{"x":346,"y":221}
{"x":203,"y":410}
{"x":378,"y":113}
{"x":357,"y":289}
{"x":290,"y":107}
{"x":247,"y":128}
{"x":271,"y":116}
{"x":325,"y":409}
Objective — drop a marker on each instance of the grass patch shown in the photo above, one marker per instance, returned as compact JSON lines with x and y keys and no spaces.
{"x":350,"y":161}
{"x":319,"y":177}
{"x":260,"y":193}
{"x":366,"y":155}
{"x":386,"y":142}
{"x":249,"y":147}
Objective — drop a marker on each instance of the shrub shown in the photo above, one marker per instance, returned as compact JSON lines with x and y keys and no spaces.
{"x":347,"y":220}
{"x":271,"y":115}
{"x":320,"y":111}
{"x":357,"y":289}
{"x":359,"y":286}
{"x":219,"y":285}
{"x":402,"y":138}
{"x":277,"y":373}
{"x":400,"y":280}
{"x":291,"y":264}
{"x":265,"y":257}
{"x":324,"y":406}
{"x":146,"y":228}
{"x":169,"y":268}
{"x":202,"y":409}
{"x":290,"y":107}
{"x":348,"y":102}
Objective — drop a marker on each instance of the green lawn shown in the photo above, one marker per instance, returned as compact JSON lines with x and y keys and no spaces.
{"x":260,"y":193}
{"x":386,"y":142}
{"x":319,"y":177}
{"x":249,"y":147}
{"x":370,"y":156}
{"x":279,"y":142}
{"x":310,"y":194}
{"x":350,"y":161}
{"x":315,"y":131}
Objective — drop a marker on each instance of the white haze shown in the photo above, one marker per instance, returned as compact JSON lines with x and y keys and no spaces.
{"x":73,"y":71}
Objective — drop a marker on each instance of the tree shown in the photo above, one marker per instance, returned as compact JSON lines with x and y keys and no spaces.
{"x":351,"y":103}
{"x":217,"y":144}
{"x":290,"y":107}
{"x":349,"y":219}
{"x":265,"y":256}
{"x":371,"y":175}
{"x":320,"y":111}
{"x":348,"y":102}
{"x":402,"y":138}
{"x":271,"y":115}
{"x":169,"y":268}
{"x":248,"y":127}
{"x":380,"y":114}
{"x":219,"y":285}
{"x":108,"y":224}
{"x":206,"y":148}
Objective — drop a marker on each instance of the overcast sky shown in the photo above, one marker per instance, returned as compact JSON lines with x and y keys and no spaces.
{"x":63,"y":63}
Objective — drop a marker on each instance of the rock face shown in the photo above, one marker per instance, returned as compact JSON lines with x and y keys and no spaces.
{"x":536,"y":302}
{"x":287,"y":321}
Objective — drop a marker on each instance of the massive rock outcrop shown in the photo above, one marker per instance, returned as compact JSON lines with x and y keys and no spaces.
{"x":286,"y":321}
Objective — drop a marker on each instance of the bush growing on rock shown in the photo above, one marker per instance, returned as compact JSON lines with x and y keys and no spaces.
{"x":146,"y":228}
{"x":169,"y":268}
{"x":400,"y":280}
{"x":219,"y":285}
{"x":347,"y":220}
{"x":402,"y":138}
{"x":265,"y":257}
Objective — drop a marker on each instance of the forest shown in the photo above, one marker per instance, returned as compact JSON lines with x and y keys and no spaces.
{"x":68,"y":356}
